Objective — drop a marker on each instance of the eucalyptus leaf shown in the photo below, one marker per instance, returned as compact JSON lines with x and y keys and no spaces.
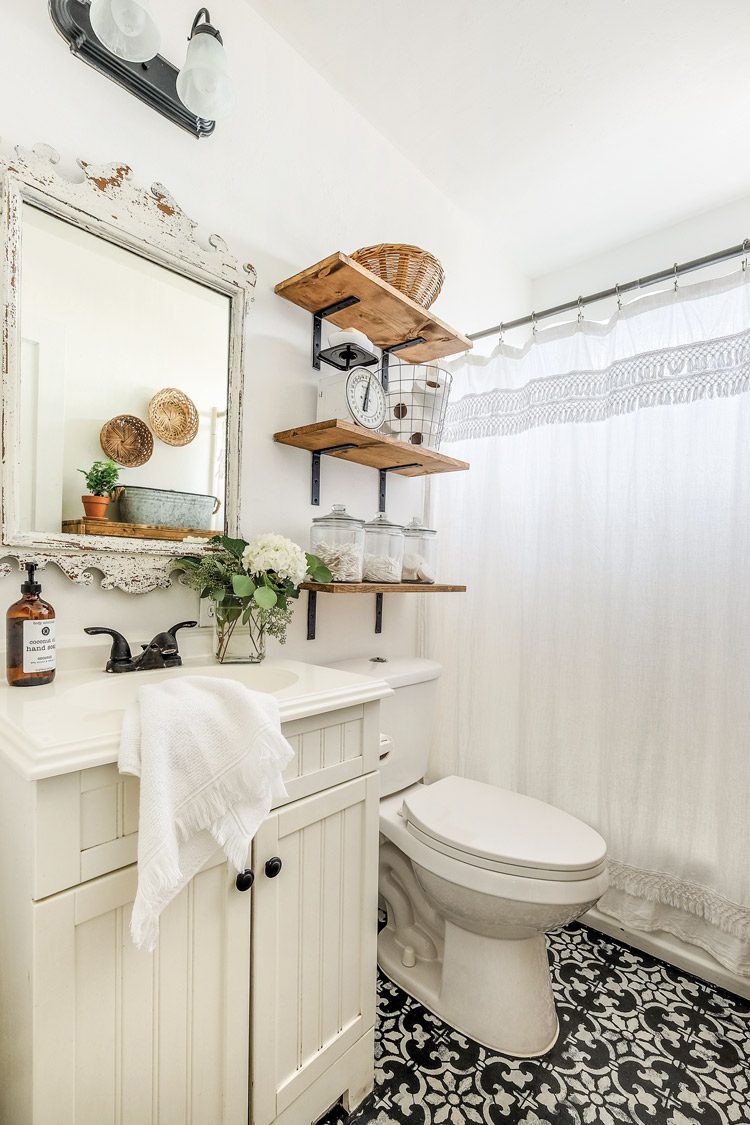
{"x":242,"y":585}
{"x":265,"y":597}
{"x":233,"y":547}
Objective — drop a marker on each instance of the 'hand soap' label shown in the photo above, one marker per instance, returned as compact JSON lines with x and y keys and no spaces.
{"x":38,"y":646}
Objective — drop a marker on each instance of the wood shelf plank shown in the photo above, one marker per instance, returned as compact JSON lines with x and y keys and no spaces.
{"x":373,"y":449}
{"x":382,"y":588}
{"x":85,"y":526}
{"x":385,"y":315}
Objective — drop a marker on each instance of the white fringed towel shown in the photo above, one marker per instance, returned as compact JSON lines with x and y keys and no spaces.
{"x":210,"y":755}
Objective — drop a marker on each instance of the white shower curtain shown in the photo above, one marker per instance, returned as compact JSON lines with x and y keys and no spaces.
{"x":601,"y":658}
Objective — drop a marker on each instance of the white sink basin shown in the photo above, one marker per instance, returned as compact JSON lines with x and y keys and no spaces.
{"x":114,"y":692}
{"x":75,"y":722}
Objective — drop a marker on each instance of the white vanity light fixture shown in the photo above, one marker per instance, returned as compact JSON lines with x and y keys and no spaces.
{"x":127,"y":28}
{"x":120,"y":38}
{"x":203,"y":84}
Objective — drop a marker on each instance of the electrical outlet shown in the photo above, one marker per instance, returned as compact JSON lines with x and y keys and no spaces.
{"x":206,"y":613}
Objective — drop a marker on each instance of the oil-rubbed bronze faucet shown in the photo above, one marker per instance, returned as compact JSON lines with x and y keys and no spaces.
{"x":162,"y":652}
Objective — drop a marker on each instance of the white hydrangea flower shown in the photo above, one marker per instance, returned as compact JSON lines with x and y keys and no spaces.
{"x":274,"y":552}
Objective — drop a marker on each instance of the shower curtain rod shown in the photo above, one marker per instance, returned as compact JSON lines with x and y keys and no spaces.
{"x":617,"y":291}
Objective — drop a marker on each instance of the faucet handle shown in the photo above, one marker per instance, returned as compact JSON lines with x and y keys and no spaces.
{"x":120,"y":658}
{"x":182,"y":625}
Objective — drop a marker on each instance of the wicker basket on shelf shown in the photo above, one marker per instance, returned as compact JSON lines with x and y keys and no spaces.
{"x":414,"y":272}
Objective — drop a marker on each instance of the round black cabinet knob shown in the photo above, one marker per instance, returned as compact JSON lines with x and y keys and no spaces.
{"x":273,"y":867}
{"x":244,"y":880}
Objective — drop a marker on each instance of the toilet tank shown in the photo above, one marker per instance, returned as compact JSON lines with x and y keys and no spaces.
{"x":406,"y":718}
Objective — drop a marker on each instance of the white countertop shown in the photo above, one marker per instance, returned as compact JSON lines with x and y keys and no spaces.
{"x":74,"y":723}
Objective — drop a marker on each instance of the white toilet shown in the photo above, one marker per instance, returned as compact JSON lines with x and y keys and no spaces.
{"x":471,"y":877}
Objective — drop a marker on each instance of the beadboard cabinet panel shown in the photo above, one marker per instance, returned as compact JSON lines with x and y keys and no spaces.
{"x":87,"y":821}
{"x":314,"y":936}
{"x":128,"y":1037}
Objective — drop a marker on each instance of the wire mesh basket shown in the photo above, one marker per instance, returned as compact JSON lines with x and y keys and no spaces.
{"x":416,"y":399}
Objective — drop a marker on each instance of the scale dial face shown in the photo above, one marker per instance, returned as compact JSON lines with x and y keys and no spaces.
{"x":365,"y":398}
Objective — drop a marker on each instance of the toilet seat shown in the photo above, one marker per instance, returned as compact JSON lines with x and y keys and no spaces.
{"x":499,"y":830}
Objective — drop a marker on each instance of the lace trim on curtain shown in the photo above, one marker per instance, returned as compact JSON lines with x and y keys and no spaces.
{"x":693,"y":898}
{"x":707,"y":369}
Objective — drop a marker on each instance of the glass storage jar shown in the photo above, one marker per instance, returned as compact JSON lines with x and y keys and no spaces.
{"x":419,"y":553}
{"x":384,"y":550}
{"x":338,"y":540}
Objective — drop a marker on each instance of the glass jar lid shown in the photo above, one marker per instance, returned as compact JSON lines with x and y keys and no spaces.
{"x":382,"y":523}
{"x":339,"y":515}
{"x":417,"y":529}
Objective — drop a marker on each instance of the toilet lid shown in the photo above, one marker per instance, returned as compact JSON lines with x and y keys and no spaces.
{"x":492,"y":827}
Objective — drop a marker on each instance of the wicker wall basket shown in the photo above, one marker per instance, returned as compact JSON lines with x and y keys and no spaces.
{"x":173,"y":416}
{"x":414,"y":272}
{"x":127,"y":440}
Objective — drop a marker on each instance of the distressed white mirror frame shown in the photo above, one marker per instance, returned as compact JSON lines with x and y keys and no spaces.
{"x":148,"y":222}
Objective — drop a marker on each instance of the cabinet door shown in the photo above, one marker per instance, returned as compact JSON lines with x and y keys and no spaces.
{"x":314,"y":939}
{"x":136,"y":1038}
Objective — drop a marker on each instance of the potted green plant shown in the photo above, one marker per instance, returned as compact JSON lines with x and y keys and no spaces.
{"x":101,"y":479}
{"x":251,"y":586}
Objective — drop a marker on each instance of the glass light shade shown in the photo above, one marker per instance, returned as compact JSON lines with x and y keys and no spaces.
{"x":203,"y":84}
{"x":126,"y":28}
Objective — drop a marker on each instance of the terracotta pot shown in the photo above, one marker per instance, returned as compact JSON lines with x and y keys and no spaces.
{"x":95,"y":507}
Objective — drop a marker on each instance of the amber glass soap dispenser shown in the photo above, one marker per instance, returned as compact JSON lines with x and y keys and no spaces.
{"x":30,"y":637}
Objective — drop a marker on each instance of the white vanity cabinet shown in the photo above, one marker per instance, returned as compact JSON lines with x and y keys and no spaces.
{"x":256,"y":1007}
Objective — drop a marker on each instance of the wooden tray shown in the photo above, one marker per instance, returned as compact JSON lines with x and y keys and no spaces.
{"x":131,"y":530}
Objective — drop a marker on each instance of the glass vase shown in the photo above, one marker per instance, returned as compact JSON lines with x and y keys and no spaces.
{"x":239,"y":633}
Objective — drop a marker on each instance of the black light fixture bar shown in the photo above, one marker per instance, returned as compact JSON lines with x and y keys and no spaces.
{"x":153,"y":82}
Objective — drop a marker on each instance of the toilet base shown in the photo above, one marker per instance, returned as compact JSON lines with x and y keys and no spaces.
{"x":497,"y":991}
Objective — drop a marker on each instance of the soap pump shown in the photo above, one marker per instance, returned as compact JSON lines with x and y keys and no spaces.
{"x":30,"y":636}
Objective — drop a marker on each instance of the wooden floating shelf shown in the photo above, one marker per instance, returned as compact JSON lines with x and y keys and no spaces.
{"x":382,"y":588}
{"x":86,"y":526}
{"x":373,"y":449}
{"x":385,"y":315}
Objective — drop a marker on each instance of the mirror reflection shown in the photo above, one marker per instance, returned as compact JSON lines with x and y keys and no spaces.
{"x":122,"y":360}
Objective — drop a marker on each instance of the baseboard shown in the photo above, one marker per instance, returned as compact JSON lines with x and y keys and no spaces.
{"x":690,"y":958}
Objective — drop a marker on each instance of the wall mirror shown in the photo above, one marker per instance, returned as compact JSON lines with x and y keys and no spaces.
{"x":123,"y":339}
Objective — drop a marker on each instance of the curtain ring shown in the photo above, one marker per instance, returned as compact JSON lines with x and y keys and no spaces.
{"x":619,"y":297}
{"x":580,"y":309}
{"x":745,"y":246}
{"x":675,"y":277}
{"x":502,"y":333}
{"x":533,"y":324}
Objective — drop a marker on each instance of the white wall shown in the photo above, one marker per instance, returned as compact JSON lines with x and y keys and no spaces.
{"x":703,"y":234}
{"x":295,"y":174}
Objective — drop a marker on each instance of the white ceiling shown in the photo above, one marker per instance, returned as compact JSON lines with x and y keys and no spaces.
{"x":564,"y":126}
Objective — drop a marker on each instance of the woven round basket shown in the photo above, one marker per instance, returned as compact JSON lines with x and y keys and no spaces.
{"x":127,"y":440}
{"x":173,"y":416}
{"x":414,"y":272}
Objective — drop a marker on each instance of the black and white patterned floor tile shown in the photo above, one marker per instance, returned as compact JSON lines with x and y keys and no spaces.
{"x":640,"y":1043}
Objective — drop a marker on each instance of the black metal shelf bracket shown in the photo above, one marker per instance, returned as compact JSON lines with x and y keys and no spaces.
{"x":378,"y":613}
{"x":312,"y":610}
{"x":315,"y":478}
{"x":383,"y":474}
{"x":385,"y":361}
{"x":318,"y":319}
